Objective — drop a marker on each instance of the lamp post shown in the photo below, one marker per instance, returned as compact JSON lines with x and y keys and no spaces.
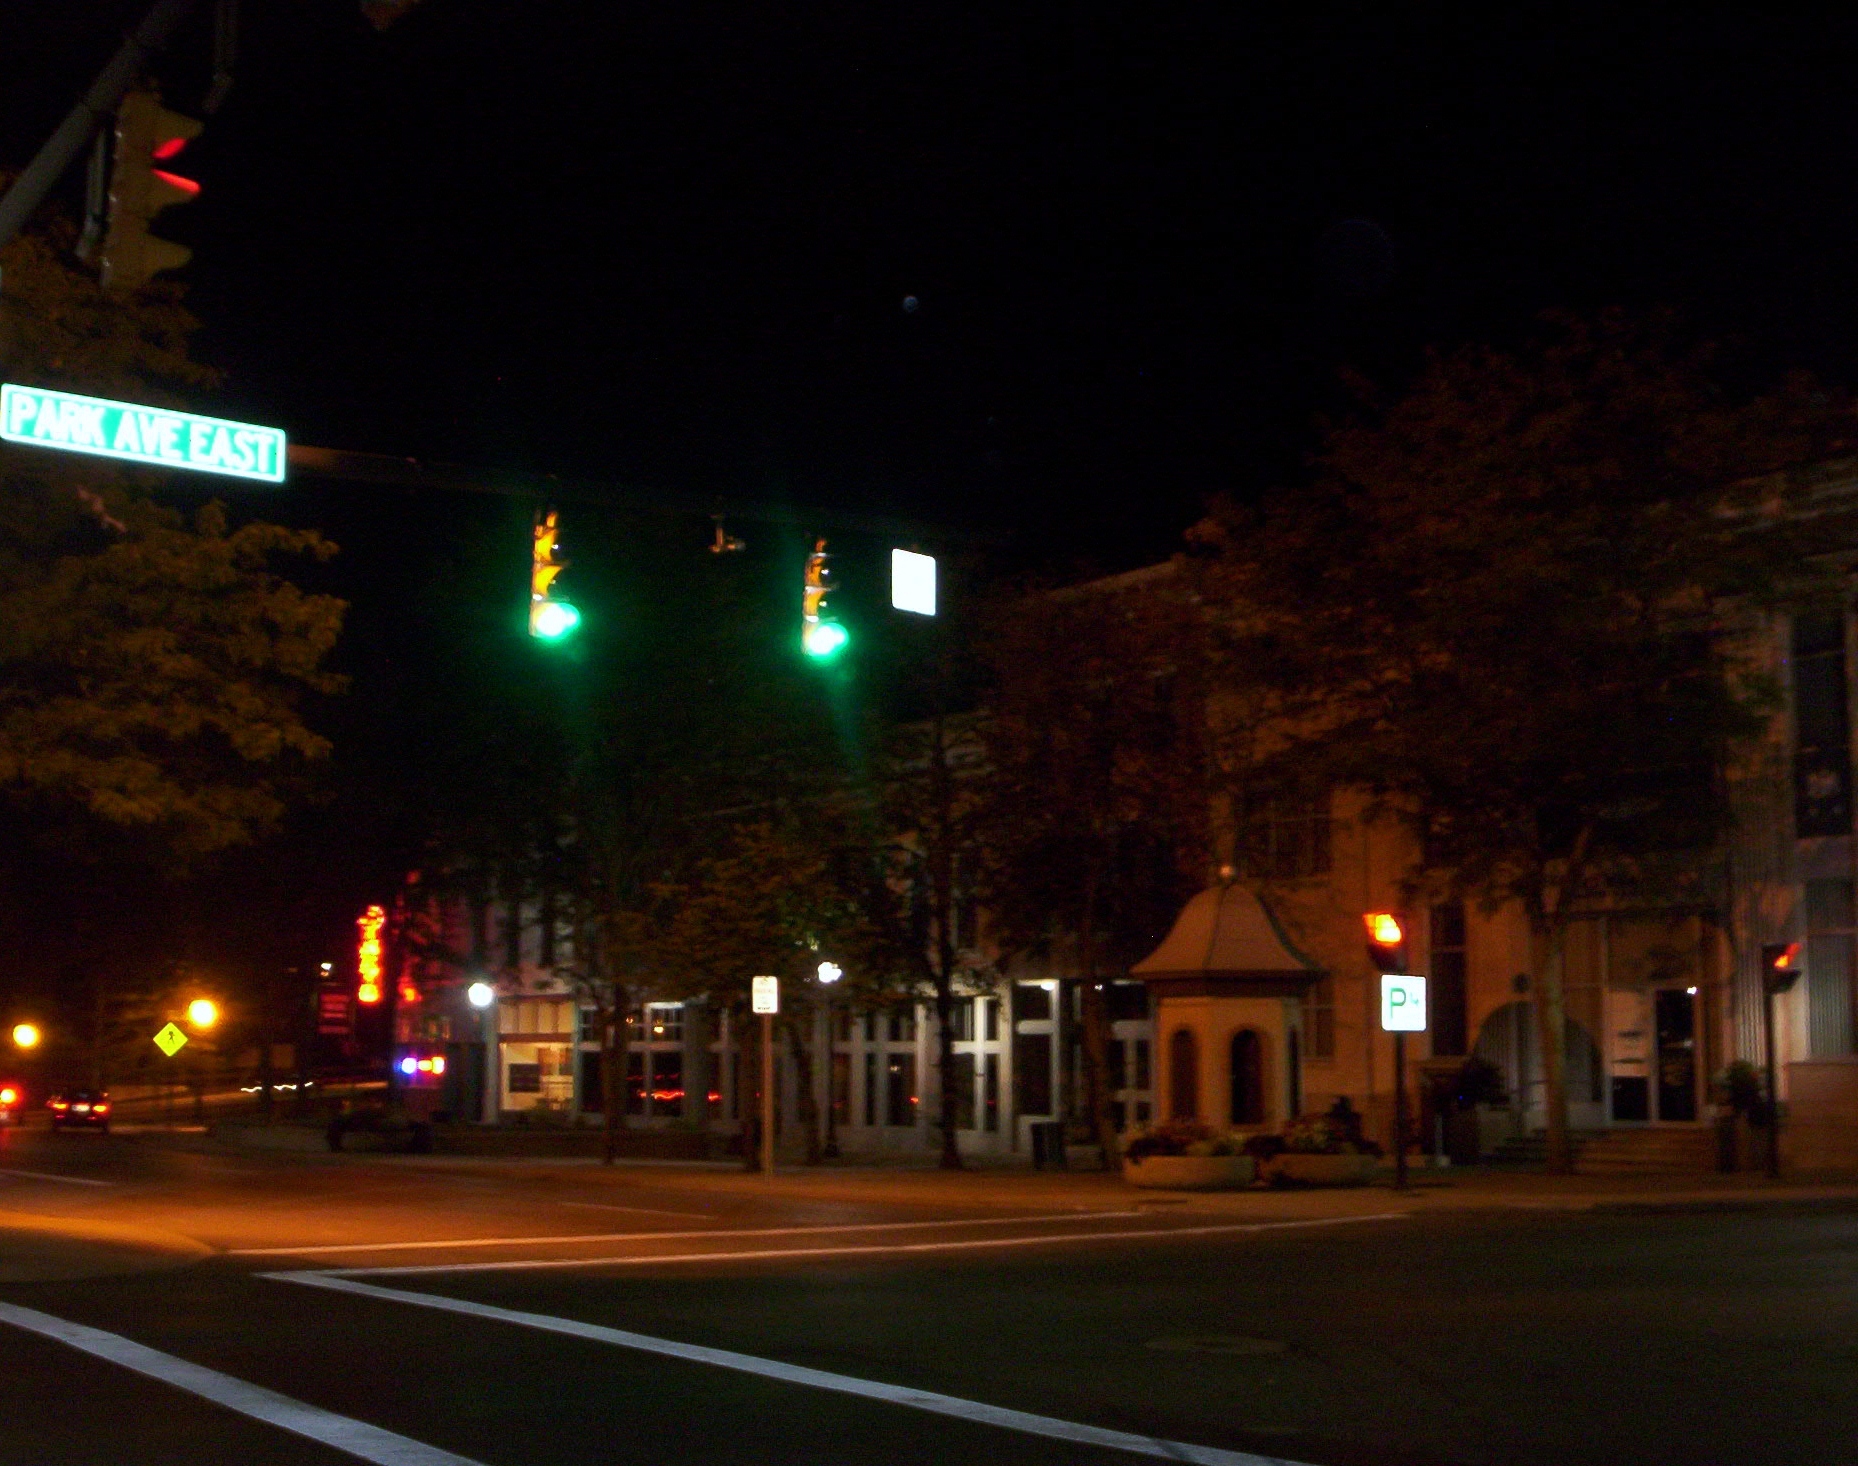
{"x":202,"y":1014}
{"x":483,"y":997}
{"x":830,"y":973}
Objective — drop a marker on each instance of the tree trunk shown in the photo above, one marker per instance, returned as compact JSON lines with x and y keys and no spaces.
{"x":803,"y":1085}
{"x":1551,"y":1043}
{"x":942,"y":893}
{"x":748,"y":1087}
{"x":1096,"y":1035}
{"x":613,"y":1050}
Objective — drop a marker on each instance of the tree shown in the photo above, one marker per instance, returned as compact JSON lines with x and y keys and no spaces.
{"x":1503,"y":607}
{"x":773,"y":903}
{"x":152,"y":666}
{"x":1094,"y":800}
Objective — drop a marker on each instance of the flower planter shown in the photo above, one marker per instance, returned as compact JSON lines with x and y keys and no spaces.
{"x":1190,"y":1172}
{"x":1323,"y":1170}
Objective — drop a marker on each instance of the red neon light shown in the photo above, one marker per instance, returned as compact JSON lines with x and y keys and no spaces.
{"x":174,"y":180}
{"x":169,"y":149}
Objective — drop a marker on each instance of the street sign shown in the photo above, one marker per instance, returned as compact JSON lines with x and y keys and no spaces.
{"x":156,"y":436}
{"x":912,"y":582}
{"x":170,"y":1040}
{"x":765,"y":994}
{"x":1403,"y":1003}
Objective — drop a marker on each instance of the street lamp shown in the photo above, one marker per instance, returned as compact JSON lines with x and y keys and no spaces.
{"x":828,"y":974}
{"x":26,"y":1035}
{"x":203,"y":1012}
{"x":482,"y":995}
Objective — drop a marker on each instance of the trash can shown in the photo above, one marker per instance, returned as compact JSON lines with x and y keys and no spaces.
{"x":1048,"y":1144}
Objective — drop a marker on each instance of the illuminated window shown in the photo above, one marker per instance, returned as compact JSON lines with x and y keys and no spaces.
{"x":1319,"y":1019}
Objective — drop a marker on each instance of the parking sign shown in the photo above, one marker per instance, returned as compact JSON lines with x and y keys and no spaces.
{"x":1403,"y":1003}
{"x":765,"y":994}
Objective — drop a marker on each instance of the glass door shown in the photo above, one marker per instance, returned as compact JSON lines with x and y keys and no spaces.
{"x":1675,"y":1026}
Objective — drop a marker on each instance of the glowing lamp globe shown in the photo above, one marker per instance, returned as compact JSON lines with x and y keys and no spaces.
{"x":481,"y":994}
{"x":26,"y":1035}
{"x":552,"y":620}
{"x":823,"y":639}
{"x":203,"y":1012}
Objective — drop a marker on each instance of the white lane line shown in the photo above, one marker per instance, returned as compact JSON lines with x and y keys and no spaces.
{"x":657,"y":1236}
{"x":51,"y":1176}
{"x":356,"y":1437}
{"x":1046,"y":1239}
{"x":650,"y":1211}
{"x":951,"y":1405}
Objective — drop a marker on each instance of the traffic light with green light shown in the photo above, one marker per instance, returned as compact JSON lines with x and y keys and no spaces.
{"x":550,"y":617}
{"x":821,"y":636}
{"x":148,"y":137}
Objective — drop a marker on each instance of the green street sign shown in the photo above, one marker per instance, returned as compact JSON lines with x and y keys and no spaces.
{"x":155,"y":436}
{"x":170,"y":1040}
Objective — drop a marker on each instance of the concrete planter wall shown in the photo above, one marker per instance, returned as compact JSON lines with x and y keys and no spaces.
{"x":1191,"y":1172}
{"x":1324,"y":1170}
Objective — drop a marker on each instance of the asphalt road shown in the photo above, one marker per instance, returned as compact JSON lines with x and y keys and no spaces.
{"x":430,"y":1313}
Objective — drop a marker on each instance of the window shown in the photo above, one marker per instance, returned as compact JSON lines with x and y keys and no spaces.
{"x":1247,"y":1075}
{"x":1032,"y":1073}
{"x":635,"y":1082}
{"x":841,"y":1089}
{"x":1450,"y":977}
{"x":1183,"y":1076}
{"x":1829,"y":969}
{"x":1141,"y":1079}
{"x":964,"y":1091}
{"x":900,"y":1109}
{"x":870,"y":1088}
{"x":1126,"y":1000}
{"x":903,"y":1025}
{"x":1032,"y":1002}
{"x":1319,"y":1019}
{"x":990,"y":1028}
{"x":990,"y":1093}
{"x":525,"y":1079}
{"x":1114,"y":1060}
{"x":1822,"y":727}
{"x":1282,"y":836}
{"x":962,"y":1019}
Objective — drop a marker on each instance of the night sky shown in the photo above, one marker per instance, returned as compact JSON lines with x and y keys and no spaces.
{"x":1060,"y":270}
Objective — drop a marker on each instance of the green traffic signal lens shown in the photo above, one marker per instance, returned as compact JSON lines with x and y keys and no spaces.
{"x":824,"y":639}
{"x":552,"y":620}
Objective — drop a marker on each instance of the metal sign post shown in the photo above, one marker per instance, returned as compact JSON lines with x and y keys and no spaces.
{"x":1403,"y":1011}
{"x":766,"y":1001}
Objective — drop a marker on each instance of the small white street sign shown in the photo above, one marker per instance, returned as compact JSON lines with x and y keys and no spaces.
{"x":1403,"y":1003}
{"x":765,"y":993}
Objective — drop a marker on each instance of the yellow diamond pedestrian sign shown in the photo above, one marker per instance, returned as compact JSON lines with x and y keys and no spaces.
{"x":170,"y":1040}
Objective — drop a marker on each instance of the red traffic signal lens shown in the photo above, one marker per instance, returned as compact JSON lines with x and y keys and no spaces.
{"x":1384,"y":928}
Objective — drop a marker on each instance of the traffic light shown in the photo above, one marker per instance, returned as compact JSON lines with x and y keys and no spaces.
{"x":821,"y":637}
{"x":550,"y":617}
{"x":1386,"y":941}
{"x":147,"y":136}
{"x":1780,"y":966}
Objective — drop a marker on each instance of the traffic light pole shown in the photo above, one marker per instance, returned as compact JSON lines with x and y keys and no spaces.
{"x":61,"y":149}
{"x":1774,"y":1093}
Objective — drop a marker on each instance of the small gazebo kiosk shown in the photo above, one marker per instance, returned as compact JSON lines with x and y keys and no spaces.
{"x":1226,"y":987}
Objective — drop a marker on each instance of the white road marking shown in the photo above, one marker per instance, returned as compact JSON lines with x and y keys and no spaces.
{"x":51,"y":1176}
{"x":1045,"y":1239}
{"x":356,"y":1437}
{"x":937,"y":1404}
{"x":654,"y":1236}
{"x":650,"y":1211}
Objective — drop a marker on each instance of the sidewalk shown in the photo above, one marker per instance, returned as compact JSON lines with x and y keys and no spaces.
{"x":998,"y":1187}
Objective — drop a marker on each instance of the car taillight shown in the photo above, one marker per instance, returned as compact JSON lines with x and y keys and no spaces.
{"x":99,"y":1109}
{"x":60,"y":1105}
{"x":9,"y":1096}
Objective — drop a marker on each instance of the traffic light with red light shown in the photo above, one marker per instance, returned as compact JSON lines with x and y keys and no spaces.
{"x":148,"y":137}
{"x":822,"y":637}
{"x":1780,"y":966}
{"x":550,"y":617}
{"x":1386,"y":941}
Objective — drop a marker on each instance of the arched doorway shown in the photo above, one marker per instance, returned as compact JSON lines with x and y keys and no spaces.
{"x":1248,"y":1107}
{"x":1183,"y":1075}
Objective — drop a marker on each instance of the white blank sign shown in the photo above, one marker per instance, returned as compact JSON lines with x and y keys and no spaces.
{"x":912,"y":582}
{"x":1403,"y":1003}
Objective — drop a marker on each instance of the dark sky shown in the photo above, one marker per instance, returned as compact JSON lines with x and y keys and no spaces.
{"x":677,"y":245}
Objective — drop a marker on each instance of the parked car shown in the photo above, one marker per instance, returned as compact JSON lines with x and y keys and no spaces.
{"x":12,"y":1102}
{"x":80,"y":1109}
